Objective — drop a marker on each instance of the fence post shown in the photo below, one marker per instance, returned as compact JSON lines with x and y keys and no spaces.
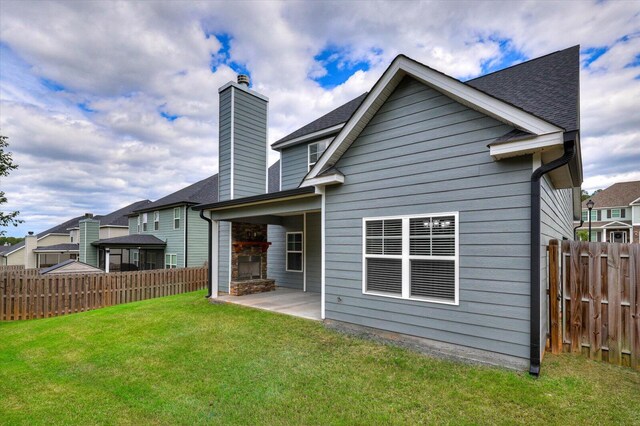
{"x":554,"y":297}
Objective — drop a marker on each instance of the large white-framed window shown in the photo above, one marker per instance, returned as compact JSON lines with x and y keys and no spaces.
{"x":156,"y":220}
{"x":144,"y":222}
{"x":294,"y":253}
{"x":614,"y":214}
{"x":176,"y":218}
{"x":170,"y":261}
{"x":412,"y":257}
{"x":315,"y":151}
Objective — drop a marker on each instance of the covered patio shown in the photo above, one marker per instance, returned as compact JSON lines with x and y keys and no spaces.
{"x":283,"y":300}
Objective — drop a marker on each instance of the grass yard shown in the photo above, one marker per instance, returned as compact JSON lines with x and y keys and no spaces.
{"x":181,"y":360}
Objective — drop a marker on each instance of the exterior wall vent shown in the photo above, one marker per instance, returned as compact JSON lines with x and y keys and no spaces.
{"x":243,"y":79}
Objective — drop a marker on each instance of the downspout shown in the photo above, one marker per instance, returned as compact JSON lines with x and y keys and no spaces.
{"x":209,"y":246}
{"x":576,"y":228}
{"x":569,"y":153}
{"x":186,"y":235}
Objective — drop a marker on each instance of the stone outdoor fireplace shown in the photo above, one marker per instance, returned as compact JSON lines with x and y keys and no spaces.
{"x":249,"y":259}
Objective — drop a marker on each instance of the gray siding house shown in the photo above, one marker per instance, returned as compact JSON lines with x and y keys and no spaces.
{"x":421,"y":209}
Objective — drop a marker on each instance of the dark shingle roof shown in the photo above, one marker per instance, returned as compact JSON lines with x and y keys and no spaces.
{"x":59,"y":247}
{"x":547,"y":87}
{"x":133,"y":239}
{"x":274,"y":177}
{"x":120,"y":216}
{"x":335,"y":117}
{"x":61,"y":228}
{"x":617,"y":195}
{"x":204,"y":191}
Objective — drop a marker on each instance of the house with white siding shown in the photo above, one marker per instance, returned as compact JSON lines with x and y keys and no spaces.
{"x":420,"y":210}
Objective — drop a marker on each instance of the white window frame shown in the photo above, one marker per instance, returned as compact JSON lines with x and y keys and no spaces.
{"x":139,"y":224}
{"x":144,"y":222}
{"x":613,"y":216}
{"x":177,"y":217}
{"x":156,"y":220}
{"x":406,"y":258}
{"x":310,"y":164}
{"x":169,"y":264}
{"x":287,"y":251}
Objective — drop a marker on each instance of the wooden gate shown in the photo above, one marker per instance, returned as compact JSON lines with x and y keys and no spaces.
{"x":594,"y":300}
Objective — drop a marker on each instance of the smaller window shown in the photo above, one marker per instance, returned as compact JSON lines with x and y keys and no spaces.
{"x":135,"y":258}
{"x":176,"y":218}
{"x":72,"y":238}
{"x":156,"y":221}
{"x":585,"y":216}
{"x":294,"y":251}
{"x":138,"y":226}
{"x":594,"y":215}
{"x":170,"y":261}
{"x":144,"y":222}
{"x":315,"y":151}
{"x":615,"y":214}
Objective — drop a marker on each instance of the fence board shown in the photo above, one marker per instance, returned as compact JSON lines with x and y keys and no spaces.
{"x":24,"y":295}
{"x":600,"y":313}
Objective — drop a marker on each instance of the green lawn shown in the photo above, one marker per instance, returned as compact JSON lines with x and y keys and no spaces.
{"x":181,"y":360}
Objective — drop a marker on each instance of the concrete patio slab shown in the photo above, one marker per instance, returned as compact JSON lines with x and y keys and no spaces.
{"x":284,"y":300}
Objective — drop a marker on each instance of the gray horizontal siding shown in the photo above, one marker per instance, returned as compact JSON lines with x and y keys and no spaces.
{"x":294,"y":165}
{"x":224,"y":146}
{"x":313,"y":241}
{"x":250,"y":145}
{"x":224,"y":251}
{"x":276,"y":263}
{"x":424,"y":153}
{"x":197,"y":240}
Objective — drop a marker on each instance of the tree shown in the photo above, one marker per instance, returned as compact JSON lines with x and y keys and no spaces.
{"x":584,"y":196}
{"x":6,"y":166}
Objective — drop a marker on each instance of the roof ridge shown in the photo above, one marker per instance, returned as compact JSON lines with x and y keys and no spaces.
{"x":528,"y":61}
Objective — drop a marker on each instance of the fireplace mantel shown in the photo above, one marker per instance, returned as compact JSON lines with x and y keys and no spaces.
{"x":239,"y":245}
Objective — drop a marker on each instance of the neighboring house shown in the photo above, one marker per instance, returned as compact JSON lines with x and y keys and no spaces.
{"x":413,"y":209}
{"x":61,"y":242}
{"x":166,"y":233}
{"x":615,"y":216}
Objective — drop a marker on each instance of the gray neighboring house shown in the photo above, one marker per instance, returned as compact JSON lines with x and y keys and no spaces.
{"x":420,"y":209}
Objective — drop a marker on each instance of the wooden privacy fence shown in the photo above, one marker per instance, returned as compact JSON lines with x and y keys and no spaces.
{"x":41,"y":296}
{"x":11,"y":268}
{"x":594,"y":302}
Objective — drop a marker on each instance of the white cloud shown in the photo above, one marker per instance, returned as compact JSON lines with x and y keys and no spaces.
{"x":129,"y":61}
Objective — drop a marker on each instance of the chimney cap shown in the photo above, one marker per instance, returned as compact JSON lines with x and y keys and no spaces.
{"x":243,"y":79}
{"x":88,"y":215}
{"x":30,"y":233}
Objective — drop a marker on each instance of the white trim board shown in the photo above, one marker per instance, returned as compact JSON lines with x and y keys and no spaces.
{"x":465,"y":94}
{"x":308,"y":137}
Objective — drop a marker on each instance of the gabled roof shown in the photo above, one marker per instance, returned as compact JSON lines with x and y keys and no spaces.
{"x":338,"y":116}
{"x":503,"y":110}
{"x":72,"y":266}
{"x":617,"y":195}
{"x":204,"y":191}
{"x":120,"y":216}
{"x":547,"y":87}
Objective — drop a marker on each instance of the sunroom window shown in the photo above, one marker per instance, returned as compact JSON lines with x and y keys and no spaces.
{"x":412,"y":257}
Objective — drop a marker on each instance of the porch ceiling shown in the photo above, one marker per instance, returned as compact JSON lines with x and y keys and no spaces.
{"x":270,"y":212}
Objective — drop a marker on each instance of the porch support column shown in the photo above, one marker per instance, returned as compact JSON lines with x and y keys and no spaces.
{"x":323,"y":194}
{"x":107,"y":253}
{"x":215,"y":258}
{"x":304,"y":251}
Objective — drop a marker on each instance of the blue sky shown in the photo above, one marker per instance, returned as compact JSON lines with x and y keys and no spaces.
{"x":108,"y":105}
